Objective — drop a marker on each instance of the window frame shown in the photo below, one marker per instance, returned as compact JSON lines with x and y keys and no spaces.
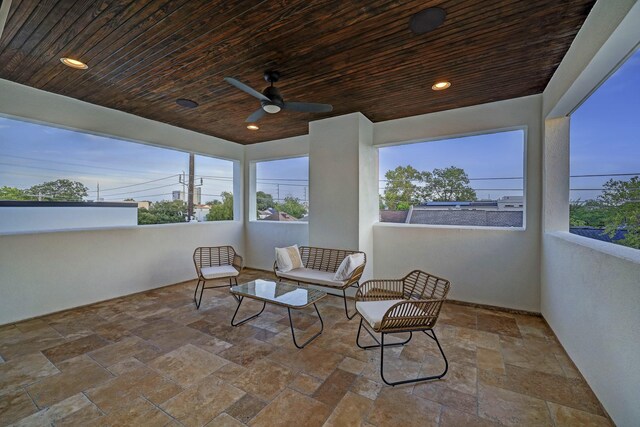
{"x":525,"y":136}
{"x":236,"y":166}
{"x":253,"y":184}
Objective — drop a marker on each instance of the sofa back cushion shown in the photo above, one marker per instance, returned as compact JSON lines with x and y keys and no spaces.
{"x":288,"y":258}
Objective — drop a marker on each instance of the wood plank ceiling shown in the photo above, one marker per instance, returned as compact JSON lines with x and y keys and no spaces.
{"x":356,"y":55}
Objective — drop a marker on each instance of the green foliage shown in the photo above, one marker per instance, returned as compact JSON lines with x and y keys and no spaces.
{"x":449,"y":185}
{"x":60,"y":190}
{"x":623,"y":198}
{"x":401,"y":187}
{"x":590,"y":213}
{"x":221,"y":211}
{"x":163,"y":212}
{"x":407,"y":186}
{"x":292,"y":206}
{"x":264,"y":201}
{"x":12,"y":193}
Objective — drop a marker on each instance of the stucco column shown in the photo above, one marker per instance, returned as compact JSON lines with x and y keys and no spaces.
{"x":343,"y":189}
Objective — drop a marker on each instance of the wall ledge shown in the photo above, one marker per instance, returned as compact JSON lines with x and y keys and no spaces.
{"x":618,"y":251}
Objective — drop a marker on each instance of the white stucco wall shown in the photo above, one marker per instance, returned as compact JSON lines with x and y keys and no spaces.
{"x":48,"y":272}
{"x":590,"y":290}
{"x":485,"y":265}
{"x":17,"y":219}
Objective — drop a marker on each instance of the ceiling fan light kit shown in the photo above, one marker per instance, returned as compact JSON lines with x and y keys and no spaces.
{"x":272,"y":102}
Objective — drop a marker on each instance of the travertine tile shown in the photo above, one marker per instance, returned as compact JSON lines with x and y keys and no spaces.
{"x":57,"y":412}
{"x":395,"y":407}
{"x":202,"y":402}
{"x":334,"y":387}
{"x":246,"y":408}
{"x":187,"y":365}
{"x":24,"y":371}
{"x":78,"y":374}
{"x":264,"y":379}
{"x":350,"y":412}
{"x":74,"y":348}
{"x":157,"y":351}
{"x":512,"y":409}
{"x":14,"y":406}
{"x":564,"y":416}
{"x":490,"y":360}
{"x":292,"y":408}
{"x":366,"y":388}
{"x":305,"y":384}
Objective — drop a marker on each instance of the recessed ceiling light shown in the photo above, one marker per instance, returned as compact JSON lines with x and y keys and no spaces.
{"x":187,"y":103}
{"x":74,"y":63}
{"x":441,"y":85}
{"x":253,"y":126}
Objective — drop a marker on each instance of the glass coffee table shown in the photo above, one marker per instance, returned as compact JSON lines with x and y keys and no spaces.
{"x":278,"y":293}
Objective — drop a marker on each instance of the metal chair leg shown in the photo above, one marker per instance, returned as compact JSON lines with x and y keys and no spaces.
{"x":433,"y":377}
{"x":195,"y":293}
{"x":366,"y":347}
{"x":293,"y":334}
{"x":346,"y":311}
{"x":264,"y":304}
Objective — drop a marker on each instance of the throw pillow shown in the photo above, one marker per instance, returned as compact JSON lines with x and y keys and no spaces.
{"x":348,"y":265}
{"x":288,"y":258}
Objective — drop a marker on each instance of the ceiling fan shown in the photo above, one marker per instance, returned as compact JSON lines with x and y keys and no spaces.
{"x":271,"y":101}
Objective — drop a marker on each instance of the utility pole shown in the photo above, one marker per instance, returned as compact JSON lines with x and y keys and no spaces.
{"x":191,"y":185}
{"x":98,"y":196}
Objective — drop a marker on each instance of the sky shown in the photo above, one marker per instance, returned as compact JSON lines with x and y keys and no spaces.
{"x":604,"y":140}
{"x":605,"y":131}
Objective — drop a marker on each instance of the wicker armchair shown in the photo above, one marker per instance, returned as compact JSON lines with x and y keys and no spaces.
{"x":217,"y":262}
{"x":410,"y":304}
{"x":319,"y":267}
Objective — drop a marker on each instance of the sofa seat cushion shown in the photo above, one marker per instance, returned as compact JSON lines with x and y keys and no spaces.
{"x":309,"y":275}
{"x":374,"y":311}
{"x":219,"y":271}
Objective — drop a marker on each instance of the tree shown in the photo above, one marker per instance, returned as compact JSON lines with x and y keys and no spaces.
{"x":292,"y":206}
{"x":264,"y":201}
{"x":13,"y":193}
{"x":163,"y":212}
{"x":221,"y":211}
{"x":590,"y":213}
{"x":401,"y":189}
{"x":449,"y":185}
{"x":60,"y":190}
{"x":623,"y":197}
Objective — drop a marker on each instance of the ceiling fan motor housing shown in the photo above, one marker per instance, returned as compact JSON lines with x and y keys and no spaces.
{"x":276,"y":102}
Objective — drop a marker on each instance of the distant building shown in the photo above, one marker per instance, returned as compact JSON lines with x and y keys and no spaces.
{"x":144,"y":204}
{"x":598,"y":234}
{"x":507,"y":211}
{"x":280,"y":216}
{"x":181,"y":195}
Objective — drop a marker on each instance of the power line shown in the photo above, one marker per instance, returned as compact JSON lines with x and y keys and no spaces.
{"x":141,"y":183}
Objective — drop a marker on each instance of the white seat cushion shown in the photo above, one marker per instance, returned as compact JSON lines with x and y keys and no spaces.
{"x":309,"y":275}
{"x":219,"y":271}
{"x":374,"y":311}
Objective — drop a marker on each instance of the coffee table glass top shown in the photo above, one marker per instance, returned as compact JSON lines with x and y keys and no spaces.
{"x":278,"y":293}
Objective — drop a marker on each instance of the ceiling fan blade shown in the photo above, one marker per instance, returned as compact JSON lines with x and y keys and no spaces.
{"x":256,"y":115}
{"x":307,"y":107}
{"x":243,"y":87}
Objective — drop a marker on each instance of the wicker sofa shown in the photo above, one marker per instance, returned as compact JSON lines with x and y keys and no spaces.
{"x":320,"y":265}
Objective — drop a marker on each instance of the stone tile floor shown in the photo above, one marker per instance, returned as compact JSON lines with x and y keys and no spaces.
{"x":153,"y":359}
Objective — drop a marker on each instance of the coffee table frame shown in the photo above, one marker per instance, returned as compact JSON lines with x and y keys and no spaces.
{"x":241,"y":296}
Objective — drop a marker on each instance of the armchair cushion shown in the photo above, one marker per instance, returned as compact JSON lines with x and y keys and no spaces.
{"x":309,"y":275}
{"x":348,"y":265}
{"x":219,"y":271}
{"x":374,"y":311}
